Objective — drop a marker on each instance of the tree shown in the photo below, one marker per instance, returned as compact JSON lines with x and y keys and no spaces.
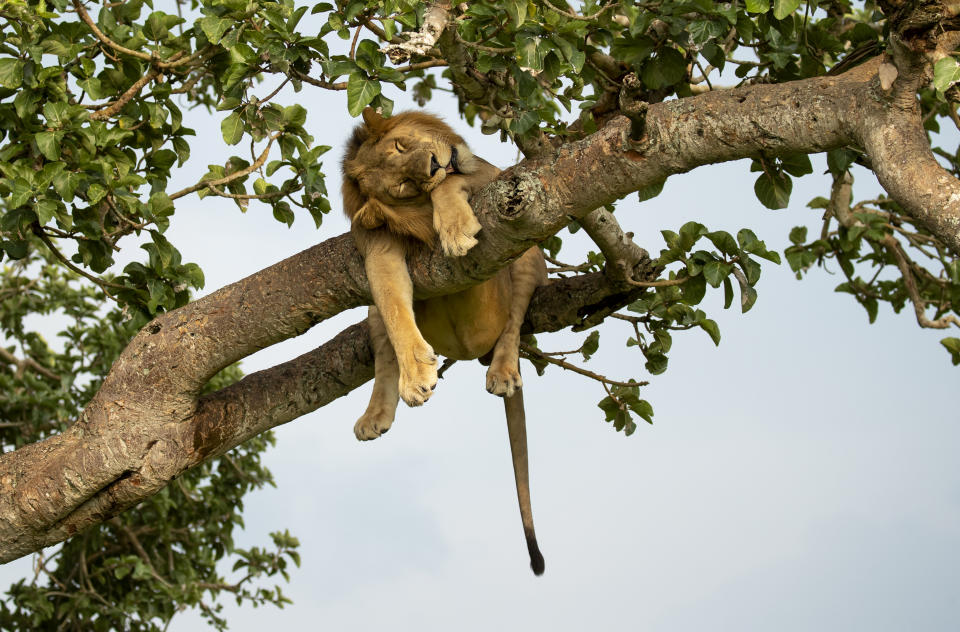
{"x":144,"y":407}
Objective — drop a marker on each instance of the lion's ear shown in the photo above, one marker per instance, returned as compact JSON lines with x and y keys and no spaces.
{"x":373,"y":120}
{"x":370,"y":215}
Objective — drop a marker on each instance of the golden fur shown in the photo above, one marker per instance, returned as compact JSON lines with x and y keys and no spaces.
{"x":407,"y":180}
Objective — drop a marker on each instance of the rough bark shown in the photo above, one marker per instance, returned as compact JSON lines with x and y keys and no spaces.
{"x":147,"y":423}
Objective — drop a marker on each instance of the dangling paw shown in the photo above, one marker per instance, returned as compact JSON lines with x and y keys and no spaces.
{"x":503,"y":379}
{"x":373,"y":423}
{"x":418,"y":378}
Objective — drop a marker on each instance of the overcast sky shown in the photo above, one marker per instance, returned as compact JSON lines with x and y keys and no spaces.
{"x":802,"y":475}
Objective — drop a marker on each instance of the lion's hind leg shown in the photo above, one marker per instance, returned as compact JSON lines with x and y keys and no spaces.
{"x":386,"y":393}
{"x":526,"y":274}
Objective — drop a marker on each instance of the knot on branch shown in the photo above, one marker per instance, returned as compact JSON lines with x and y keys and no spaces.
{"x":421,"y":42}
{"x":523,"y":193}
{"x":633,"y":107}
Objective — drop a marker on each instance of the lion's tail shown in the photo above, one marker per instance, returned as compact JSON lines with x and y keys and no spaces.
{"x":517,"y":429}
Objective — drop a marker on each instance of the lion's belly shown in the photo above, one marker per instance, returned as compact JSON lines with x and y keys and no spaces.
{"x":466,"y":325}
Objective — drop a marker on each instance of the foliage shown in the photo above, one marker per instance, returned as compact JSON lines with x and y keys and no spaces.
{"x":91,"y":130}
{"x":138,"y":569}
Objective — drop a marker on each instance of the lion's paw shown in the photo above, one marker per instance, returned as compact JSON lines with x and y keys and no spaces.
{"x":457,"y":234}
{"x":372,"y":424}
{"x":418,"y":380}
{"x":503,"y":380}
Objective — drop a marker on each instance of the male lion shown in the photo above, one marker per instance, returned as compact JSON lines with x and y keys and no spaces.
{"x":406,"y":181}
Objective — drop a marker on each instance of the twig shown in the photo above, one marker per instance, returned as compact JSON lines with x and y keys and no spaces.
{"x":904,"y":263}
{"x":663,"y":283}
{"x":353,"y":44}
{"x":243,"y":475}
{"x":487,"y":49}
{"x":27,"y":363}
{"x":132,"y":537}
{"x":533,"y":351}
{"x":329,"y":85}
{"x":704,"y":74}
{"x":447,"y":363}
{"x":582,"y":18}
{"x":230,"y":178}
{"x":423,"y":65}
{"x":246,"y":196}
{"x":125,"y":98}
{"x":261,"y":102}
{"x":376,"y":30}
{"x":602,"y":73}
{"x":100,"y":282}
{"x":173,"y":62}
{"x":952,"y":111}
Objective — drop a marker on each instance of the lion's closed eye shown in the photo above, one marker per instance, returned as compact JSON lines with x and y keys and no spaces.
{"x":399,"y":146}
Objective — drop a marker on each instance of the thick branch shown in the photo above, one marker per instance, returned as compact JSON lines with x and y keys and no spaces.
{"x":253,"y":405}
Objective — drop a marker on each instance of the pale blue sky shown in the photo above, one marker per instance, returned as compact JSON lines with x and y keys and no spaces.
{"x":801,"y":476}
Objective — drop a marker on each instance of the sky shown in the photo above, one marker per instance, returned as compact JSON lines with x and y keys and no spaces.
{"x":802,"y":475}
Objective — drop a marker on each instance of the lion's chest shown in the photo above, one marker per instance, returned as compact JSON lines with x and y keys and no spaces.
{"x":466,"y":325}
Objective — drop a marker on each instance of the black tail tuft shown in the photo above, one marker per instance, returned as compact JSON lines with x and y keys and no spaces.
{"x":536,"y":559}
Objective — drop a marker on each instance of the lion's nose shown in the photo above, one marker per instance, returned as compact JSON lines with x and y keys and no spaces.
{"x":434,"y":165}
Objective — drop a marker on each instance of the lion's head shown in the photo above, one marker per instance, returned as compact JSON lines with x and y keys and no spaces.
{"x":395,"y":162}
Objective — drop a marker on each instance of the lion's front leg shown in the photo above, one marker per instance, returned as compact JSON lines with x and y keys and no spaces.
{"x":386,"y":394}
{"x":453,"y":219}
{"x":526,"y":274}
{"x":393,"y":295}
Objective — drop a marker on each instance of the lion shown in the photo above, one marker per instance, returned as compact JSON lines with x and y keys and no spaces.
{"x":407,"y":180}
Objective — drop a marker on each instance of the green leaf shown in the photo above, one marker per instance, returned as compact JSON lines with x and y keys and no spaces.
{"x":95,"y":193}
{"x":49,"y":144}
{"x":758,"y":6}
{"x":690,"y":233}
{"x":15,"y":249}
{"x":953,"y":346}
{"x":517,"y":10}
{"x":656,"y":363}
{"x":724,"y":242}
{"x":712,"y":329}
{"x":749,"y":243}
{"x":214,"y":28}
{"x":946,"y":72}
{"x":716,"y":271}
{"x":282,"y":212}
{"x":360,"y":92}
{"x":796,"y":164}
{"x":798,"y":235}
{"x":651,"y":191}
{"x":232,"y":129}
{"x":155,"y":27}
{"x":591,"y":344}
{"x":666,"y":68}
{"x":56,"y":113}
{"x":748,"y":297}
{"x":641,"y":407}
{"x":45,"y":210}
{"x":839,"y":160}
{"x":694,"y":289}
{"x":773,"y":189}
{"x":11,"y":73}
{"x":783,"y":8}
{"x":92,"y":87}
